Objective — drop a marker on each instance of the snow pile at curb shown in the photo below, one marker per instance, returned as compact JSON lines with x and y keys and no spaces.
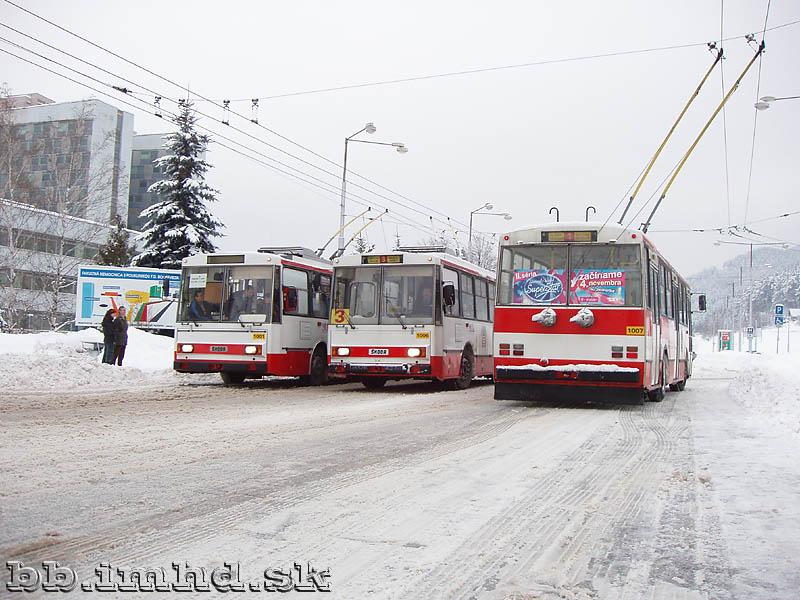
{"x":61,"y":361}
{"x":767,"y":384}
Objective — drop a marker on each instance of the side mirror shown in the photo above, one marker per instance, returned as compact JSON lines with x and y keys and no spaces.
{"x":449,"y":294}
{"x":701,"y":302}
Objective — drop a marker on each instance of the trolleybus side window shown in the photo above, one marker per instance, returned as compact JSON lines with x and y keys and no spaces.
{"x":320,"y":294}
{"x":662,"y":294}
{"x":467,"y":297}
{"x":451,"y":277}
{"x":481,"y":304}
{"x":295,"y":292}
{"x":491,"y":301}
{"x":605,"y":275}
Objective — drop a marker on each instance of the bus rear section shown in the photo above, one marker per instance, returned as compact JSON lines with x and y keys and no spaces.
{"x":570,"y":321}
{"x":254,"y":314}
{"x":410,"y":315}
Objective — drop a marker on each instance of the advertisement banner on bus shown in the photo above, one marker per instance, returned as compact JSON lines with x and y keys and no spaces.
{"x":598,"y":287}
{"x":540,"y":286}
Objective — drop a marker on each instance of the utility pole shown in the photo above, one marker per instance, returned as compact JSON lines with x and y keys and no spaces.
{"x":750,"y":303}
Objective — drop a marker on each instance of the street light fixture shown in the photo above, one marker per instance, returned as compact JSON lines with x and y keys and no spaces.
{"x":369,"y":128}
{"x":765,"y":101}
{"x":487,"y":206}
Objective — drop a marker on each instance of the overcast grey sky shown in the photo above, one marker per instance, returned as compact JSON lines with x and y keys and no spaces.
{"x":568,"y":134}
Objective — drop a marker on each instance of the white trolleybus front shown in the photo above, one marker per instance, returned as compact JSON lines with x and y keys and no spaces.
{"x":591,"y":311}
{"x":416,"y":313}
{"x":253,"y":314}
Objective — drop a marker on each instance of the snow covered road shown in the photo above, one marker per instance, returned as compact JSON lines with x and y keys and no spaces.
{"x":410,"y":492}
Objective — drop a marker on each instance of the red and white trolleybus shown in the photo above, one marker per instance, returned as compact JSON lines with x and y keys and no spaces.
{"x":589,"y":310}
{"x":253,"y":314}
{"x":414,"y":313}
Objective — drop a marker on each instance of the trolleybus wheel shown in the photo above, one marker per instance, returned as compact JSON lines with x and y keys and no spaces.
{"x":466,"y":373}
{"x":232,"y":378}
{"x":657,"y":395}
{"x":373,"y":383}
{"x":319,"y":370}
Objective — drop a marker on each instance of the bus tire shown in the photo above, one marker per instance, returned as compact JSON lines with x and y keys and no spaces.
{"x":657,"y":395}
{"x":373,"y":383}
{"x":466,"y":373}
{"x":318,"y":374}
{"x":232,"y":378}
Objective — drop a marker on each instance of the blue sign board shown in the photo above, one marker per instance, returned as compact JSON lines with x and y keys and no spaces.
{"x":778,"y":320}
{"x":778,"y":309}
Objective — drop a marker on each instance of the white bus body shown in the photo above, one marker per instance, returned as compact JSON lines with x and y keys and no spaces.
{"x":250,"y":314}
{"x":418,"y":315}
{"x":589,"y":309}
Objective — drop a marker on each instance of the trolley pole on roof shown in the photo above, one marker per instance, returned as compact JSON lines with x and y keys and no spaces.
{"x":646,"y":172}
{"x":683,"y":160}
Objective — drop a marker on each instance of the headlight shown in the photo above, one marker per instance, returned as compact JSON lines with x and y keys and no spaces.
{"x":413,"y":352}
{"x":187,"y":348}
{"x":250,"y":349}
{"x":343,"y":351}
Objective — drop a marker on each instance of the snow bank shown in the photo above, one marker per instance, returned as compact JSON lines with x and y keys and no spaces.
{"x":61,"y":361}
{"x":768,"y":384}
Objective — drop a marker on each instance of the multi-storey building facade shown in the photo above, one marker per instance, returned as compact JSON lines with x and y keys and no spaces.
{"x":64,"y":181}
{"x":144,"y":173}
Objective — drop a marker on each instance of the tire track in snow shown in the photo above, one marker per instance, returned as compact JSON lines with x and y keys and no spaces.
{"x":554,"y":545}
{"x":151,"y":536}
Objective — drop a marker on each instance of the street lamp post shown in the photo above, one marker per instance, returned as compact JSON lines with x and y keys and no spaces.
{"x":765,"y":101}
{"x":369,"y":128}
{"x":487,"y":206}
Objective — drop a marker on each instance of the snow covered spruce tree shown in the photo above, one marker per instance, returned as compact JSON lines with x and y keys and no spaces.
{"x":180,"y":224}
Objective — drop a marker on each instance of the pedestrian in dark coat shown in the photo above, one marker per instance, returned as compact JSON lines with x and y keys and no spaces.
{"x":108,"y":336}
{"x":120,"y":336}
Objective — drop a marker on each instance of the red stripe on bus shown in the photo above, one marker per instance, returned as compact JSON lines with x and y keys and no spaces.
{"x":607,"y":321}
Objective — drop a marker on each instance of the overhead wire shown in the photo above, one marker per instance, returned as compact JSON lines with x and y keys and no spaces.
{"x":755,"y":118}
{"x":724,"y":114}
{"x":199,"y":112}
{"x":405,"y":221}
{"x":225,"y":107}
{"x":490,"y":69}
{"x":351,"y":195}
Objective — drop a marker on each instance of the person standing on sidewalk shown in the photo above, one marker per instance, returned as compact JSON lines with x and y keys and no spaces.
{"x":120,"y":336}
{"x":108,"y":336}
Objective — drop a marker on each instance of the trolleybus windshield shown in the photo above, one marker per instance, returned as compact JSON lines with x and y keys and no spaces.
{"x":227,"y":294}
{"x":381,"y":295}
{"x":571,"y":274}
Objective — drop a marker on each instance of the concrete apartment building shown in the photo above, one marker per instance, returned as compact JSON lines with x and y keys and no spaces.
{"x":65,"y":181}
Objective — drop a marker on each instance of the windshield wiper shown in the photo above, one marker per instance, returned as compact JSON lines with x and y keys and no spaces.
{"x":349,"y":322}
{"x":402,"y":319}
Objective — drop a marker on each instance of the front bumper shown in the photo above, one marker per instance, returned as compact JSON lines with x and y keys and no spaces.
{"x":342,"y":369}
{"x":201,"y":366}
{"x":566,"y":375}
